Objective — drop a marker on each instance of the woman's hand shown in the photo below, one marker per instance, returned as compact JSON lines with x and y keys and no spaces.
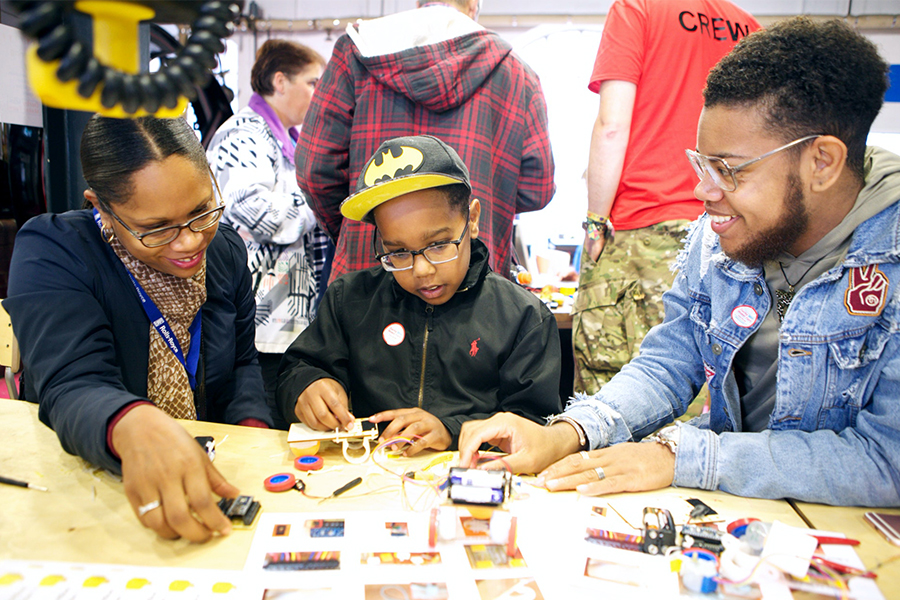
{"x":324,"y":406}
{"x":627,"y":467}
{"x":161,"y":462}
{"x":423,"y":428}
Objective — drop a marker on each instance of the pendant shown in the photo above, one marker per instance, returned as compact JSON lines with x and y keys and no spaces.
{"x":782,"y":301}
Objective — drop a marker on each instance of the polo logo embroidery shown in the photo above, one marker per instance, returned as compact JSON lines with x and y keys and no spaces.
{"x":474,"y":349}
{"x":866,"y":292}
{"x":394,"y":162}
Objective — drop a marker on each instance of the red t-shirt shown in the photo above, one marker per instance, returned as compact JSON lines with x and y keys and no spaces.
{"x":666,"y":48}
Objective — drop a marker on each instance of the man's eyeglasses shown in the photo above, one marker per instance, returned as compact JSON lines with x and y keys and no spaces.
{"x":437,"y":253}
{"x":723,"y":174}
{"x":166,"y":235}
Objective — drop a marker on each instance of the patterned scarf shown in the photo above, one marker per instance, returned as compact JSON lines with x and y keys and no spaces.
{"x":178,"y":300}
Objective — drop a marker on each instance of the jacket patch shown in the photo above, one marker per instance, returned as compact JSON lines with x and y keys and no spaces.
{"x":393,"y":334}
{"x":473,"y":350}
{"x":867,"y":291}
{"x":709,"y":372}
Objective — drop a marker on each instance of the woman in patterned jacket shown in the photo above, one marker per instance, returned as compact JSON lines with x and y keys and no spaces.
{"x":252,"y":155}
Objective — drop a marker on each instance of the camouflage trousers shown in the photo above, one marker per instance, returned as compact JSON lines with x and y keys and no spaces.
{"x":620,"y":298}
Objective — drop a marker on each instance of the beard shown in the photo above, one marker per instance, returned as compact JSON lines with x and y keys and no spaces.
{"x":768,"y":244}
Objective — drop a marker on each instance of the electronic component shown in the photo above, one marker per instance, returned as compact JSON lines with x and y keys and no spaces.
{"x":659,"y":530}
{"x":208,"y":443}
{"x":280,"y":482}
{"x":359,"y":437}
{"x":325,"y":528}
{"x":242,"y":510}
{"x":310,"y":462}
{"x":615,"y":539}
{"x":707,"y":538}
{"x":700,"y":509}
{"x":302,"y":561}
{"x":477,"y":486}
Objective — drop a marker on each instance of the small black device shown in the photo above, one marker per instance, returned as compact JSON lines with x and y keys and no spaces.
{"x":242,"y":510}
{"x":659,"y":530}
{"x":707,"y":538}
{"x":208,"y":443}
{"x":477,"y":486}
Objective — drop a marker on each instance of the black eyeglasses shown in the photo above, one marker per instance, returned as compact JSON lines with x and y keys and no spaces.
{"x":437,"y":253}
{"x":166,"y":235}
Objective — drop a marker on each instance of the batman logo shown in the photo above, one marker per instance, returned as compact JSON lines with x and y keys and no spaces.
{"x":394,"y":162}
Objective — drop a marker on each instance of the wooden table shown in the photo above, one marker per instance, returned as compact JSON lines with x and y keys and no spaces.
{"x":873,"y":548}
{"x":86,"y":518}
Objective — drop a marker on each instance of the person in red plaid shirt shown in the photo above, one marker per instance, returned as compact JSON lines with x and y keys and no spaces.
{"x":433,"y":71}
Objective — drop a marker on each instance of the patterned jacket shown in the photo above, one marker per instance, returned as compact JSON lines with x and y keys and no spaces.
{"x":285,"y":248}
{"x":471,"y":91}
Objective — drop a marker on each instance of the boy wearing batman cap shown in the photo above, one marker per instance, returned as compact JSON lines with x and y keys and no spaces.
{"x":432,"y":337}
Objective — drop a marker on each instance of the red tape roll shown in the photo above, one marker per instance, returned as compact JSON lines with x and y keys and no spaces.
{"x":308,"y":463}
{"x":280,"y":482}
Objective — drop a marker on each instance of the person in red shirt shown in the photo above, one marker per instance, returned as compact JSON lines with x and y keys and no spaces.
{"x":650,"y":70}
{"x":435,"y":71}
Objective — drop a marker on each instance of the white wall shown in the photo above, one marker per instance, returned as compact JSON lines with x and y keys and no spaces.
{"x":18,"y":105}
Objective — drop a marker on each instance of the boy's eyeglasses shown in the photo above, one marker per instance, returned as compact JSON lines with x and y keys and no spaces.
{"x":437,"y":253}
{"x":166,"y":235}
{"x":723,"y":174}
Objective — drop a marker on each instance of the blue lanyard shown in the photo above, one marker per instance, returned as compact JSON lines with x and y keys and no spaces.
{"x":161,"y":325}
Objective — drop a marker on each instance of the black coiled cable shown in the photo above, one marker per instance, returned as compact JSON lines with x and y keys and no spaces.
{"x":45,"y":22}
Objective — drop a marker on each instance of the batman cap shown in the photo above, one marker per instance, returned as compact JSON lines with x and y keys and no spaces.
{"x":400,"y":166}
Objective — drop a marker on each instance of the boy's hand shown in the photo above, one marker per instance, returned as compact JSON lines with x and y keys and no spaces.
{"x":425,"y":429}
{"x":323,"y":406}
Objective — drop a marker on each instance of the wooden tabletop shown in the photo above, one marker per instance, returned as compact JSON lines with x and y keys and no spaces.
{"x":85,"y":516}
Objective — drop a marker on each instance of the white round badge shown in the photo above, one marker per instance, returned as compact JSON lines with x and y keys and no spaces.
{"x":744,"y":316}
{"x":393,"y":334}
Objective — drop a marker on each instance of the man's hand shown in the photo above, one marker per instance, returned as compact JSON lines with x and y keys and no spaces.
{"x":324,"y":406}
{"x":162,"y":463}
{"x":628,"y":467}
{"x":423,"y":428}
{"x":530,"y":447}
{"x":593,"y":248}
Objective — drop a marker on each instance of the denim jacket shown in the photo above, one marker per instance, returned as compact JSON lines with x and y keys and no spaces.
{"x":834,"y":434}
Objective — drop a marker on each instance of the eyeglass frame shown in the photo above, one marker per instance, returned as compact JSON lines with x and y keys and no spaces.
{"x":140,"y":236}
{"x":414,"y":253}
{"x":732,"y":171}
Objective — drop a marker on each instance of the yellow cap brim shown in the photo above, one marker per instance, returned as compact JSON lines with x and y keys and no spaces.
{"x":360,"y":204}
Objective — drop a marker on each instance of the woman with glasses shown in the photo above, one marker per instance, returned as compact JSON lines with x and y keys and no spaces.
{"x":138,"y":311}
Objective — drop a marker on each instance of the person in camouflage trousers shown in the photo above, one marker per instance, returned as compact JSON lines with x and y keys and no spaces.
{"x":639,"y":191}
{"x":620,"y":298}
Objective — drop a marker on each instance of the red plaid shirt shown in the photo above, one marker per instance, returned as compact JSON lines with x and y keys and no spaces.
{"x":470,"y":91}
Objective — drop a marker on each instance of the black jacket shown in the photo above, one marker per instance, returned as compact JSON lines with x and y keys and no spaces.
{"x":492,"y":347}
{"x":85,"y":339}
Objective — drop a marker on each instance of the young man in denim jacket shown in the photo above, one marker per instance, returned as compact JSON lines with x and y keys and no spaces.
{"x":786,"y":301}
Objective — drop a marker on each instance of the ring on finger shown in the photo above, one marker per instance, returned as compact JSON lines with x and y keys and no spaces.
{"x":584,"y":455}
{"x":601,"y":474}
{"x":145,"y":508}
